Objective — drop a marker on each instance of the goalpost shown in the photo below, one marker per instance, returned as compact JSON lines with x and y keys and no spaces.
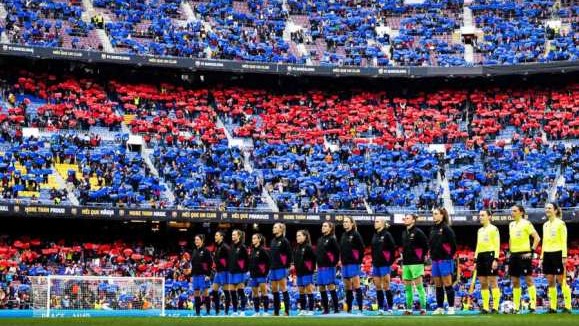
{"x":86,"y":296}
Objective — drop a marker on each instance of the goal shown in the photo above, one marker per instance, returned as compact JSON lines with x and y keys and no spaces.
{"x":87,"y":296}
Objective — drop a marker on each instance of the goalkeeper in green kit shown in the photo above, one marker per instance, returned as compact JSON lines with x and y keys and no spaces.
{"x":414,"y":249}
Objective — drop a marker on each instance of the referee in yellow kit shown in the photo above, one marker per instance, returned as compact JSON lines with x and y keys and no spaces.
{"x":488,"y":244}
{"x":520,"y":264}
{"x":554,"y":256}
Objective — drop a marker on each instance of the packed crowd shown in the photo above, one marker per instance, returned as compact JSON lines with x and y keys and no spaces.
{"x":310,"y":151}
{"x":366,"y":33}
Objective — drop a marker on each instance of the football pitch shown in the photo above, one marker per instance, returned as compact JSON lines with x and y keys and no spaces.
{"x":487,"y":320}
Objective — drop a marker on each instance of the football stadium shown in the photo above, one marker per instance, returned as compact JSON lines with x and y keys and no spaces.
{"x":403,"y":162}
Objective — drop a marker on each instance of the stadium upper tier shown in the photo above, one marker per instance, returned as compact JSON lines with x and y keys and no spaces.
{"x":374,"y":33}
{"x":315,"y":151}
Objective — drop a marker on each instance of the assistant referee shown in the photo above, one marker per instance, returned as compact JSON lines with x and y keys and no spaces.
{"x":520,"y":264}
{"x":554,"y":256}
{"x":487,"y":254}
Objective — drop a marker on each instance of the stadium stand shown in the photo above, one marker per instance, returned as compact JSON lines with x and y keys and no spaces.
{"x":49,"y":23}
{"x":313,"y":151}
{"x":28,"y":174}
{"x":341,"y":33}
{"x":69,"y":140}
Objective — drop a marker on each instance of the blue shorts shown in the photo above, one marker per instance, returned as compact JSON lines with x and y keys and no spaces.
{"x":351,"y":270}
{"x":326,"y":275}
{"x":236,"y":278}
{"x":381,"y":271}
{"x":220,"y":278}
{"x":199,"y":283}
{"x":277,"y":274}
{"x":256,"y":281}
{"x":441,"y":268}
{"x":305,"y":280}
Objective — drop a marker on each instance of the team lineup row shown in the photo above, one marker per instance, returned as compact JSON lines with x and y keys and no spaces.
{"x":270,"y":265}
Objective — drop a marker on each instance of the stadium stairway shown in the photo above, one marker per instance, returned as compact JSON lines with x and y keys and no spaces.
{"x":559,"y":183}
{"x":247,"y":165}
{"x":245,"y":145}
{"x":296,"y":49}
{"x":469,"y":53}
{"x":3,"y":37}
{"x":290,"y":27}
{"x":381,"y":31}
{"x":88,"y":11}
{"x":368,"y":207}
{"x":468,"y":27}
{"x":219,"y":124}
{"x":188,"y":12}
{"x":146,"y":154}
{"x":269,"y":200}
{"x":63,"y":168}
{"x":304,"y":51}
{"x":560,"y":179}
{"x":302,"y":22}
{"x":167,"y":192}
{"x":104,"y":39}
{"x":544,"y":136}
{"x":447,"y":200}
{"x":62,"y":185}
{"x":467,"y":16}
{"x":55,"y":180}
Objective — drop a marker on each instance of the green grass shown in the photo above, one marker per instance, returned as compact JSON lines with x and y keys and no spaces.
{"x":500,"y":320}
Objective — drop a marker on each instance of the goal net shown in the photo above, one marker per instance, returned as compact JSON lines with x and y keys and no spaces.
{"x":86,"y":296}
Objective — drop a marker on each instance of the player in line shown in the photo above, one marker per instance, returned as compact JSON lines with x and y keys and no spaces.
{"x":238,"y":267}
{"x":304,"y":264}
{"x":442,"y":243}
{"x":349,"y":250}
{"x":201,"y":263}
{"x":352,"y":252}
{"x":220,"y":279}
{"x":327,"y":257}
{"x":259,"y":262}
{"x":383,"y":255}
{"x":281,"y":255}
